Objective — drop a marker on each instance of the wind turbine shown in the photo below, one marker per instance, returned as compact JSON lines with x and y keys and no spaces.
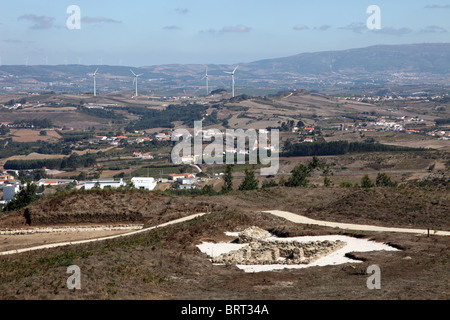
{"x":136,"y":76}
{"x":95,"y":88}
{"x":206,"y":77}
{"x":232,"y":79}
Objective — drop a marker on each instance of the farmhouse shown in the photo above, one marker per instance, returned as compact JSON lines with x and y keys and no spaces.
{"x":6,"y":178}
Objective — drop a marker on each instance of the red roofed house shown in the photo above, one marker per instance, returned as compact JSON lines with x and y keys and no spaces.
{"x":6,"y":178}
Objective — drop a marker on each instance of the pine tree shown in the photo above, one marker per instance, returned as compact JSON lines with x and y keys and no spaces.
{"x":250,"y":182}
{"x":228,"y":178}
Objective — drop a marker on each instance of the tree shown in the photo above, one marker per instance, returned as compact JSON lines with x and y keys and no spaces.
{"x":299,"y":176}
{"x":301,"y":173}
{"x":25,"y":196}
{"x":4,"y":130}
{"x":43,"y":133}
{"x":366,"y":182}
{"x":250,"y":182}
{"x":228,"y":179}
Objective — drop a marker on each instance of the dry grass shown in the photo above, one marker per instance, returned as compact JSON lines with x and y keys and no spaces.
{"x":30,"y":135}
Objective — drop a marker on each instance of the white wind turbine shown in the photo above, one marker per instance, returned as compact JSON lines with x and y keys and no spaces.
{"x":206,"y":77}
{"x":95,"y":84}
{"x":136,"y":80}
{"x":232,"y":79}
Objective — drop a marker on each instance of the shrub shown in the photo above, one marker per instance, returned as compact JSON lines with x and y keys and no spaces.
{"x":366,"y":182}
{"x":383,"y":180}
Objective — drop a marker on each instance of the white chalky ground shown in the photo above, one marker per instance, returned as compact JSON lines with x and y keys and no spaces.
{"x":334,"y":258}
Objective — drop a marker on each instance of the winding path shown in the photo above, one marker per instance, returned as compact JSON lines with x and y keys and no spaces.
{"x":349,"y":226}
{"x":283,"y":214}
{"x":61,"y":244}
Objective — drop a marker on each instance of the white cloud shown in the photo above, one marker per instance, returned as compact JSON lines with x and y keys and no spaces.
{"x":182,"y":10}
{"x":323,"y":27}
{"x":393,"y":31}
{"x":300,"y":27}
{"x":39,"y":22}
{"x":171,"y":28}
{"x":236,"y":29}
{"x":433,"y":29}
{"x":98,"y":20}
{"x":437,"y":6}
{"x":355,"y":27}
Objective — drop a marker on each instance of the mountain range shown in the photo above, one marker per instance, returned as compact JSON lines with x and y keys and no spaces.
{"x":380,"y":65}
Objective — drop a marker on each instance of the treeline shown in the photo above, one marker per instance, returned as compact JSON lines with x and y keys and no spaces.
{"x":100,"y":113}
{"x":75,"y":137}
{"x":151,"y":118}
{"x":338,"y":147}
{"x":36,"y":123}
{"x":72,"y":162}
{"x":9,"y":148}
{"x":13,"y":102}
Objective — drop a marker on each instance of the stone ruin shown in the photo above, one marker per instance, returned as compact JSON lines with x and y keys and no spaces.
{"x":261,"y":250}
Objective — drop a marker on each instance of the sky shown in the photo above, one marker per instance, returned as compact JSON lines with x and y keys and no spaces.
{"x":147,"y":32}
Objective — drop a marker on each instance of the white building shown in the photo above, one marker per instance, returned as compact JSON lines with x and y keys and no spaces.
{"x":88,"y":185}
{"x":144,"y":183}
{"x":189,"y":159}
{"x":54,"y":182}
{"x":10,"y":191}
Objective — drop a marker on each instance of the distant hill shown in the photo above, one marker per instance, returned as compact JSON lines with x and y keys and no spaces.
{"x":417,"y":58}
{"x":413,"y":64}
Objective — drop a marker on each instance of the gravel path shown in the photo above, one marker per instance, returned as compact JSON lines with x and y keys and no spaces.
{"x":61,"y":244}
{"x":304,"y":220}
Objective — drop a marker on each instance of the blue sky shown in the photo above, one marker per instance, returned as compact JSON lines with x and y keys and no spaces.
{"x":141,"y":32}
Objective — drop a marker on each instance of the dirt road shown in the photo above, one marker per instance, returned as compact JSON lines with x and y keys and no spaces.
{"x":349,"y":226}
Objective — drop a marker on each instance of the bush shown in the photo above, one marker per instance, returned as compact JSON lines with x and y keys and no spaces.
{"x":366,"y":182}
{"x":327,"y":182}
{"x":346,"y":184}
{"x":383,"y":180}
{"x":269,"y":184}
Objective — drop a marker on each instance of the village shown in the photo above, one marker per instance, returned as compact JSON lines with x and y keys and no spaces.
{"x":11,"y":186}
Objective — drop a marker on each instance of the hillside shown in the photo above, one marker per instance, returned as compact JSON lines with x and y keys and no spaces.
{"x":382,"y":65}
{"x":165,"y":263}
